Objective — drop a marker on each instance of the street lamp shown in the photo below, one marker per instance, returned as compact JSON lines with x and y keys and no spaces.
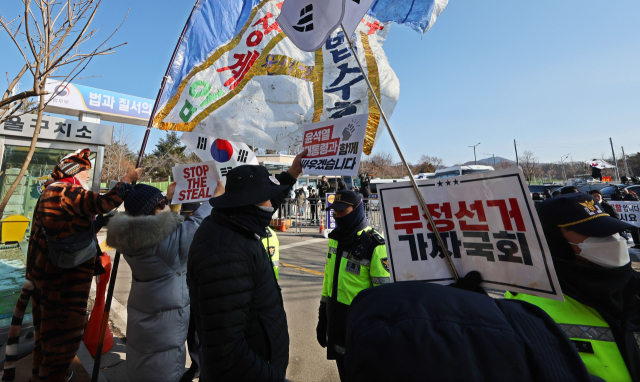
{"x":494,"y":159}
{"x":564,"y":174}
{"x":475,"y":161}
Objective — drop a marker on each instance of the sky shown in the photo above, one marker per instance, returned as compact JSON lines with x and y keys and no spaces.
{"x":559,"y":77}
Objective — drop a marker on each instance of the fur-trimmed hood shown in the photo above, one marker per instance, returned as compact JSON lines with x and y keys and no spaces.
{"x":127,"y":233}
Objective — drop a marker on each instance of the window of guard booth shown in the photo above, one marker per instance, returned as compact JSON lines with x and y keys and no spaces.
{"x":24,"y":198}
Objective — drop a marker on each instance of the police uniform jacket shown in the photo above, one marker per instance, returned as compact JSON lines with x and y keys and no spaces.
{"x":601,"y":316}
{"x":353,"y":264}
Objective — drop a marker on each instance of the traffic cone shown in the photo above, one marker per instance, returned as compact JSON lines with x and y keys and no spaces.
{"x":92,"y":331}
{"x":321,"y":223}
{"x":283,"y":225}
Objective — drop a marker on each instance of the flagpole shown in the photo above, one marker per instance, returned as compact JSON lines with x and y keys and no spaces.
{"x":423,"y":204}
{"x":114,"y":272}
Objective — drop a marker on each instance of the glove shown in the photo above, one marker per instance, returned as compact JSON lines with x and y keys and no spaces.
{"x":321,"y":329}
{"x":470,"y":282}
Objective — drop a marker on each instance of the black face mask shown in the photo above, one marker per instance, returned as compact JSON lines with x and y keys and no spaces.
{"x":254,"y":218}
{"x":352,"y":222}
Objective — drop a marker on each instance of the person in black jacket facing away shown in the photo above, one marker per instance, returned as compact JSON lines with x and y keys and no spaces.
{"x":235,"y":296}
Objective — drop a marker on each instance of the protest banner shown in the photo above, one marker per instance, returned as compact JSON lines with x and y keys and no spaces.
{"x":195,"y":182}
{"x":628,"y":211}
{"x":335,"y":146}
{"x":236,"y":75}
{"x":488,"y":222}
{"x":227,"y":154}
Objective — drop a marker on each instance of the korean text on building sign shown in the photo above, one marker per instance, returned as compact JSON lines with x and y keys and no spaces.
{"x":488,"y":223}
{"x":58,"y":129}
{"x":335,"y":146}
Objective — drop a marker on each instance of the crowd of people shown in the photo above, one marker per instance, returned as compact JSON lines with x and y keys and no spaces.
{"x":307,"y":202}
{"x":212,"y":281}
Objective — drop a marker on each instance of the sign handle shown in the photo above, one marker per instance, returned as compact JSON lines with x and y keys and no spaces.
{"x":105,"y":318}
{"x":423,"y":204}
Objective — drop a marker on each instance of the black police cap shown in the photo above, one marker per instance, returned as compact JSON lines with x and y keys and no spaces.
{"x":344,"y":200}
{"x":581,"y":213}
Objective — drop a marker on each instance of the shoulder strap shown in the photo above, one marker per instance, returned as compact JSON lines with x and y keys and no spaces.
{"x":367,"y":243}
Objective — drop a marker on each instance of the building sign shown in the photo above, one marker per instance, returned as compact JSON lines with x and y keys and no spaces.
{"x":58,"y":129}
{"x":487,"y":221}
{"x":112,"y":106}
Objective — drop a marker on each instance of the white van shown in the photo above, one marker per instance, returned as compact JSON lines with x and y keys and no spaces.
{"x":461,"y":170}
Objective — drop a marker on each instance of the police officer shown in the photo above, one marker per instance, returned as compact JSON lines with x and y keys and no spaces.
{"x":272,"y":245}
{"x":601,"y":311}
{"x":356,"y":260}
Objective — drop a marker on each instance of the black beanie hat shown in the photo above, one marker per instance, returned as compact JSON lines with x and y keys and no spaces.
{"x":142,"y":200}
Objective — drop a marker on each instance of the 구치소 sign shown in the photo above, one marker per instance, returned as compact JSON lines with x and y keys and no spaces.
{"x":488,"y":223}
{"x":195,"y":182}
{"x":335,"y":146}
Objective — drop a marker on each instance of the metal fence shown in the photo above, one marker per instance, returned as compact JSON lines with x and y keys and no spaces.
{"x":298,"y":213}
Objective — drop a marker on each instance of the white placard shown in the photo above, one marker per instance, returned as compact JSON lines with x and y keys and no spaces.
{"x":488,"y":222}
{"x":195,"y":182}
{"x":335,"y":146}
{"x":628,"y":211}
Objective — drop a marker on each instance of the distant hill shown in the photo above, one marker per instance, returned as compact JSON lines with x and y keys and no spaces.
{"x":489,"y":161}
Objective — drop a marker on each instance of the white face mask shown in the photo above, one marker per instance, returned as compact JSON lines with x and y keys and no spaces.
{"x":609,"y":252}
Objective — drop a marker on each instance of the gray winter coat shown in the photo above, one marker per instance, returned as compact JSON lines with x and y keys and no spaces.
{"x":156,"y":248}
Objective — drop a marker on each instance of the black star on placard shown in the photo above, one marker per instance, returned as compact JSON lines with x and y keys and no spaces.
{"x":448,"y":183}
{"x":456,"y":181}
{"x":439,"y":184}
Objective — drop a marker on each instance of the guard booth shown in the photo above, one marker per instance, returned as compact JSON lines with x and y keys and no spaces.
{"x":58,"y":137}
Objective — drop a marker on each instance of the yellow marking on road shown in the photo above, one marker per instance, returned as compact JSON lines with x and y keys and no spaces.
{"x":104,"y":247}
{"x":303,"y":269}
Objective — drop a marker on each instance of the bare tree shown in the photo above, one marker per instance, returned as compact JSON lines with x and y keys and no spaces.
{"x":530,"y":165}
{"x":119,"y":157}
{"x":429,"y":164}
{"x":54,"y":39}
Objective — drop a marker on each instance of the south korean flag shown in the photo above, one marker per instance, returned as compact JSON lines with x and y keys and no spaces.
{"x":308,"y":23}
{"x":227,"y":154}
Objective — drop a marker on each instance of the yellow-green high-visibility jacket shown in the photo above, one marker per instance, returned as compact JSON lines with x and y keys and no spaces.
{"x":588,"y":331}
{"x":272,"y":245}
{"x":347,"y":273}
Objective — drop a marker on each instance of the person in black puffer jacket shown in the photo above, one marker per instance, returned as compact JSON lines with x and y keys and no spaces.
{"x":235,"y":296}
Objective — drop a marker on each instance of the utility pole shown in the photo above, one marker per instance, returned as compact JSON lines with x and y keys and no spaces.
{"x":564,"y":174}
{"x":626,"y":166}
{"x":516,"y":148}
{"x":475,"y":161}
{"x":615,"y":163}
{"x":494,"y":159}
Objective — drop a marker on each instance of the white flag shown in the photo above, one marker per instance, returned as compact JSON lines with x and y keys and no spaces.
{"x":354,"y":11}
{"x":227,"y":154}
{"x":600,"y":164}
{"x":308,"y":23}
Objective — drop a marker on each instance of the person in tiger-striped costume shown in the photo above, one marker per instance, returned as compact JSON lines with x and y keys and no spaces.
{"x":59,"y":295}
